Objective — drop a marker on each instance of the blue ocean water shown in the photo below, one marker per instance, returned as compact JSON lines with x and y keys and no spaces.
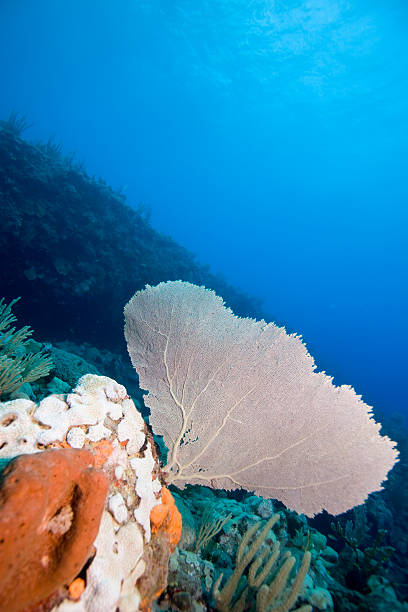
{"x":270,"y":138}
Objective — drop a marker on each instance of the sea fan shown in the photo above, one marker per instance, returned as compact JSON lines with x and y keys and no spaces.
{"x":240,"y":405}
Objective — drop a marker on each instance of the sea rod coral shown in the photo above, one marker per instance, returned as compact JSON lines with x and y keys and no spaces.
{"x":240,"y":405}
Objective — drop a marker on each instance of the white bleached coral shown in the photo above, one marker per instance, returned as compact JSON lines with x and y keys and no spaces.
{"x":145,"y":488}
{"x":113,"y":572}
{"x":93,"y":399}
{"x":117,"y":508}
{"x":18,"y":431}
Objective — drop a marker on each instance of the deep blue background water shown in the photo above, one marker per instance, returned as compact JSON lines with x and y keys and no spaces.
{"x":270,"y":138}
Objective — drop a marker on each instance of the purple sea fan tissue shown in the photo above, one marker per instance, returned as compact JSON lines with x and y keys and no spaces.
{"x":240,"y":405}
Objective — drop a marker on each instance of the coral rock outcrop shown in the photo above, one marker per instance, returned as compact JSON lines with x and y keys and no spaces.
{"x":99,"y":417}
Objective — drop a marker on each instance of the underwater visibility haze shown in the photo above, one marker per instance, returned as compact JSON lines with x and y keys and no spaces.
{"x":262,"y":146}
{"x":269,"y":138}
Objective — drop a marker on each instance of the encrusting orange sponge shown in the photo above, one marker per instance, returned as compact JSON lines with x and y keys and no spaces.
{"x":166,"y":518}
{"x":76,"y":588}
{"x":101,"y":450}
{"x":166,"y":524}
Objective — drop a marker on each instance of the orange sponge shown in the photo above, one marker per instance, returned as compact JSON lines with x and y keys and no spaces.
{"x":166,"y":518}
